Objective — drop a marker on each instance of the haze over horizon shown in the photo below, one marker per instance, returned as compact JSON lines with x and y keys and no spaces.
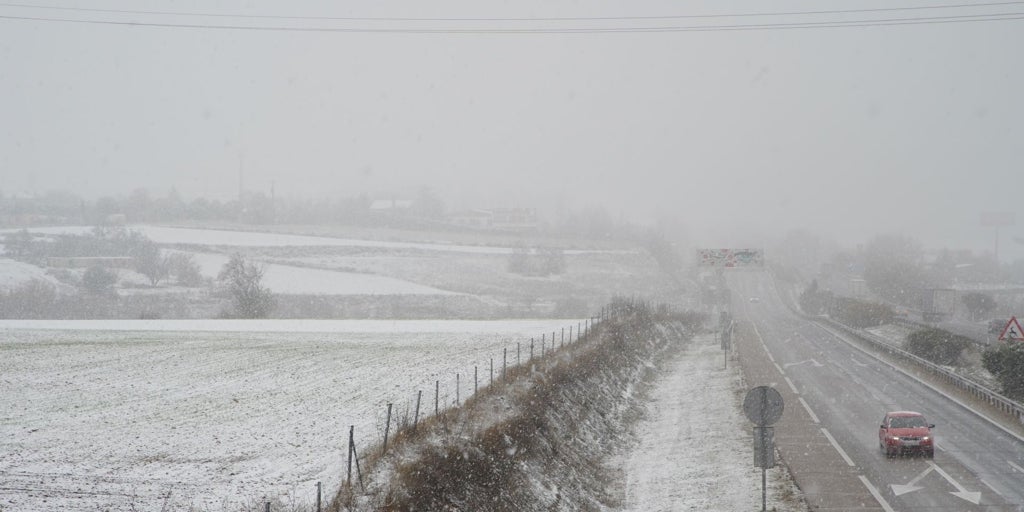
{"x":739,"y":134}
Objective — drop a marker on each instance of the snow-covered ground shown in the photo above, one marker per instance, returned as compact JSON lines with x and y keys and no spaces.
{"x":15,"y":273}
{"x":96,"y":417}
{"x":695,"y":450}
{"x":299,"y":280}
{"x":215,"y":237}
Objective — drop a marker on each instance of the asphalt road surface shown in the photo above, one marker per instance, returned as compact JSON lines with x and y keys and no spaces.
{"x":845,"y":392}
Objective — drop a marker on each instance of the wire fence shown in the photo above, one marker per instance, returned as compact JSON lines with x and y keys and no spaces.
{"x":406,"y":415}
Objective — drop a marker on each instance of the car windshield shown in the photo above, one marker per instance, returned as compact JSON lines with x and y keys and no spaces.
{"x":906,"y":422}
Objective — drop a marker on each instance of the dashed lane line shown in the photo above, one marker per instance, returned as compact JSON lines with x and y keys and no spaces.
{"x":808,"y":408}
{"x":838,"y":448}
{"x":874,"y":492}
{"x":1014,"y":466}
{"x":791,"y":385}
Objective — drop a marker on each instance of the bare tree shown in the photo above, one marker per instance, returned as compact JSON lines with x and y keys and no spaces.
{"x":244,"y":281}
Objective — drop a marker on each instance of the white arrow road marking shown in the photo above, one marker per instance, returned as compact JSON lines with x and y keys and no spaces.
{"x":973,"y":497}
{"x":812,"y":361}
{"x":900,"y":490}
{"x":1014,"y":466}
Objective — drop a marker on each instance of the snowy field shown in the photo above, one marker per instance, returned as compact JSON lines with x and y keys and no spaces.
{"x":217,"y":238}
{"x":110,"y":415}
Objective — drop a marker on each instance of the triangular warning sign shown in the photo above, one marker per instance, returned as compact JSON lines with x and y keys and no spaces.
{"x":1012,"y":331}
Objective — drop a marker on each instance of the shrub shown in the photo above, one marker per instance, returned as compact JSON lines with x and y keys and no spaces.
{"x":937,"y":345}
{"x":1006,"y":362}
{"x":98,"y":280}
{"x":860,"y":313}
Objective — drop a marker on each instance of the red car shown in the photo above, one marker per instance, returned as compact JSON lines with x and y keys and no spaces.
{"x":906,"y":432}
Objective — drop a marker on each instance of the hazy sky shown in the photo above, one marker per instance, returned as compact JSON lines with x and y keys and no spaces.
{"x":851,"y":131}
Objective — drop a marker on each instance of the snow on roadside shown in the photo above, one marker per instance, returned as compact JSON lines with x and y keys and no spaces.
{"x":694,"y":452}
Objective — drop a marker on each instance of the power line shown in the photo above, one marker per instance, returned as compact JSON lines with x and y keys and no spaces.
{"x":498,"y":19}
{"x":973,"y":18}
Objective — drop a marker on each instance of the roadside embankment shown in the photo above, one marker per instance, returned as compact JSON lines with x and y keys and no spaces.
{"x":540,"y":439}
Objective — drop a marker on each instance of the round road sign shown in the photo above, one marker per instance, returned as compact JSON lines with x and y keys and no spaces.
{"x":763,"y":406}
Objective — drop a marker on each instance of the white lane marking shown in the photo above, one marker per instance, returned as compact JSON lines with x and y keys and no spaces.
{"x":874,"y":492}
{"x":971,"y":496}
{"x":1014,"y":466}
{"x":993,"y":489}
{"x":812,"y":361}
{"x":770,"y":356}
{"x":856,"y":362}
{"x":966,"y":407}
{"x":809,"y":411}
{"x":791,"y":386}
{"x":911,"y":486}
{"x":779,"y":368}
{"x":837,"y":447}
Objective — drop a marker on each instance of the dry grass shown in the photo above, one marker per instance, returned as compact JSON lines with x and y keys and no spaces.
{"x":539,"y":439}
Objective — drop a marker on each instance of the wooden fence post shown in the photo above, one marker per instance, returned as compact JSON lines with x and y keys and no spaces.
{"x":416,"y":417}
{"x":561,"y":341}
{"x":504,"y":362}
{"x":319,"y":492}
{"x":351,"y":444}
{"x":517,"y":353}
{"x":491,"y":383}
{"x":387,"y":428}
{"x":457,"y":386}
{"x":475,"y":386}
{"x":437,"y":395}
{"x":531,"y":349}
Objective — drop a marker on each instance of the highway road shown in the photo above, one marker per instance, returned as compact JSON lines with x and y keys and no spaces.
{"x":977,"y":466}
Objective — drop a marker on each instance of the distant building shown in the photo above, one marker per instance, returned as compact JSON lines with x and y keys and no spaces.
{"x":391,"y":205}
{"x":499,"y":219}
{"x":477,"y":219}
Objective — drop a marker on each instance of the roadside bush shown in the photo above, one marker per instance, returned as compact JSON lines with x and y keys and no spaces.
{"x":814,"y":301}
{"x":1006,"y":362}
{"x":938,"y":346}
{"x":860,"y":313}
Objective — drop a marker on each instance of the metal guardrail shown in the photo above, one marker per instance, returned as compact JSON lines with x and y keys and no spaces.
{"x":1004,"y":404}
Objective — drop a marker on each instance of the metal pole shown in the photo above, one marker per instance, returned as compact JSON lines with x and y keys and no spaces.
{"x":764,"y":492}
{"x":319,"y":492}
{"x":437,"y":395}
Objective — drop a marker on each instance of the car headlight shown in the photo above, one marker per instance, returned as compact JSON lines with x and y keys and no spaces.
{"x":925,"y":438}
{"x":895,"y":438}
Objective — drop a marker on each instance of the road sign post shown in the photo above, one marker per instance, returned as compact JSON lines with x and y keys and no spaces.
{"x":763,"y":406}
